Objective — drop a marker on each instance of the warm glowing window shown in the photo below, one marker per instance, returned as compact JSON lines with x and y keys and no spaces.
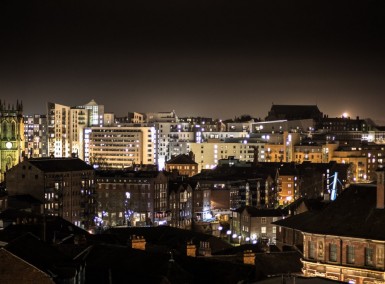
{"x":380,"y":255}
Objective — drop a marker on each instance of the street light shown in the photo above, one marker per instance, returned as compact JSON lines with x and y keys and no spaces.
{"x":228,"y":233}
{"x":220,"y":228}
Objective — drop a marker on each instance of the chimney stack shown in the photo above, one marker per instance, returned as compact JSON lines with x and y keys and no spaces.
{"x":380,"y":189}
{"x":191,"y":249}
{"x":138,"y":242}
{"x":249,"y":257}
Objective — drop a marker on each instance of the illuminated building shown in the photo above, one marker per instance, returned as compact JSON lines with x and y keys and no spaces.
{"x":119,"y":147}
{"x":281,"y":148}
{"x":180,"y":205}
{"x":96,"y":113}
{"x":251,"y":224}
{"x":12,"y":136}
{"x":354,"y":156}
{"x":66,"y":127}
{"x":66,"y":186}
{"x":183,"y":164}
{"x":169,"y":116}
{"x":135,"y":198}
{"x":288,"y":186}
{"x":65,"y":130}
{"x":311,"y":153}
{"x":169,"y":137}
{"x":208,"y":154}
{"x":35,"y":135}
{"x":346,"y":240}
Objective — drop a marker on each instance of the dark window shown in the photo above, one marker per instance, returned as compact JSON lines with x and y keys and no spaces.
{"x":333,"y":252}
{"x":311,"y":249}
{"x":350,"y":254}
{"x":368,"y":256}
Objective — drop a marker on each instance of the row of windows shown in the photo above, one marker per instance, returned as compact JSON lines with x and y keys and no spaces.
{"x":350,"y":253}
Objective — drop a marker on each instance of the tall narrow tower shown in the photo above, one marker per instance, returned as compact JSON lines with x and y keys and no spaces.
{"x":11,"y":136}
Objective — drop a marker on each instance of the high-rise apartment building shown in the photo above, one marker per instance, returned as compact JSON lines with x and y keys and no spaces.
{"x":35,"y":136}
{"x":66,"y":127}
{"x":119,"y":147}
{"x":96,"y":113}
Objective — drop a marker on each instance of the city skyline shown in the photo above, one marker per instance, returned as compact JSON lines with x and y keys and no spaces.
{"x":202,"y":58}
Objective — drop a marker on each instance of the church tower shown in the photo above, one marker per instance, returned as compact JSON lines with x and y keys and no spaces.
{"x":11,"y":136}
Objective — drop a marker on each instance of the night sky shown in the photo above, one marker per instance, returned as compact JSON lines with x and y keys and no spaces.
{"x":218,"y":59}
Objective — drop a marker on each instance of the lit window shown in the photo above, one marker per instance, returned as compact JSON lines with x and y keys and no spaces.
{"x":380,"y":255}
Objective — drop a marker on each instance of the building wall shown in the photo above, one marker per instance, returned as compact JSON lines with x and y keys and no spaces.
{"x":208,"y":154}
{"x":12,"y":145}
{"x":320,"y":263}
{"x":183,"y":169}
{"x":26,"y":179}
{"x":288,"y":189}
{"x":67,"y":194}
{"x":254,"y":228}
{"x":359,"y":162}
{"x":58,"y":127}
{"x":35,"y":136}
{"x":312,"y":154}
{"x":119,"y":147}
{"x":180,"y":205}
{"x":129,"y":199}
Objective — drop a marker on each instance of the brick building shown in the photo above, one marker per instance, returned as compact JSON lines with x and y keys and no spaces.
{"x":131,"y":197}
{"x":66,"y":186}
{"x":346,"y":240}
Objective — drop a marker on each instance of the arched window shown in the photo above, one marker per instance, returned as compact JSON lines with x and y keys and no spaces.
{"x":9,"y":163}
{"x":4,"y":129}
{"x":13,"y":133}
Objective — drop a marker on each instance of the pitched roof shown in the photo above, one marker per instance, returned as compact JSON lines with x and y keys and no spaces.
{"x":256,"y":212}
{"x":43,"y":256}
{"x":168,"y":237}
{"x":182,"y":159}
{"x":48,"y":227}
{"x":127,"y":174}
{"x":60,"y":164}
{"x":293,"y":112}
{"x":26,"y":198}
{"x":352,"y":214}
{"x":279,"y":263}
